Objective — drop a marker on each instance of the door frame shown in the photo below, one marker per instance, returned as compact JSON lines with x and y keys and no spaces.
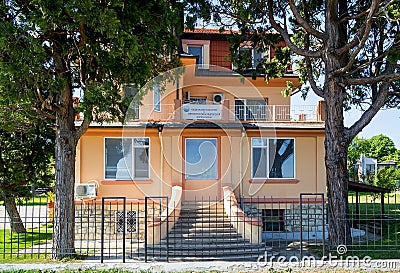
{"x":218,"y":180}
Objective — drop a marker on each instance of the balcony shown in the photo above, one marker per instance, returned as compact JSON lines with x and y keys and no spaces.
{"x":226,"y":113}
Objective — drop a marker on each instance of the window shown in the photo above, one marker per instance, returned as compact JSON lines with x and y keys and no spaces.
{"x":118,"y":158}
{"x":156,"y":98}
{"x":130,"y":91}
{"x":119,"y":162}
{"x":273,"y":219}
{"x":272,"y":158}
{"x":256,"y":56}
{"x":196,"y":51}
{"x":249,"y":58}
{"x":130,"y":221}
{"x":201,"y":159}
{"x":141,"y":157}
{"x":251,"y":109}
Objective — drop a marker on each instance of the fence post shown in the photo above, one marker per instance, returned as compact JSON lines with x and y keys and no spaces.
{"x":102,"y":226}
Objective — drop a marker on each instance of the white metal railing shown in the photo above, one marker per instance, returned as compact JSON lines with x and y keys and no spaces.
{"x":270,"y":113}
{"x":275,"y":112}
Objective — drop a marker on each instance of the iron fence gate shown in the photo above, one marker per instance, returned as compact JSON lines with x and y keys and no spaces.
{"x":123,"y":229}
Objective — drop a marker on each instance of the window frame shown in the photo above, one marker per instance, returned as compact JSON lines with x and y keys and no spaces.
{"x":268,"y":158}
{"x":132,"y":178}
{"x":199,"y":64}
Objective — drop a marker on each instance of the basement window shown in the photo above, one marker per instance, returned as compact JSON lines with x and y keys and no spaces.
{"x":273,"y":219}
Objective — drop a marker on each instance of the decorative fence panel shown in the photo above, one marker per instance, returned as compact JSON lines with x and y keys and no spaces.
{"x":248,"y":229}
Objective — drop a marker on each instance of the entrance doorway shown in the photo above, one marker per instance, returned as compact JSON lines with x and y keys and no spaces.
{"x":201,"y":165}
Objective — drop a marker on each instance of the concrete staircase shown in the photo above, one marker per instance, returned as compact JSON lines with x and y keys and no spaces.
{"x":204,"y":232}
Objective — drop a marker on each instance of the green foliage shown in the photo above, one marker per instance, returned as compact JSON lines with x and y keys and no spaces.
{"x":388,"y":178}
{"x":51,"y":47}
{"x":357,"y":147}
{"x":379,"y":147}
{"x":26,"y":151}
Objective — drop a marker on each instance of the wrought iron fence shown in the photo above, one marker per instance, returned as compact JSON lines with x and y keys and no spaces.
{"x":374,"y":220}
{"x":120,"y":229}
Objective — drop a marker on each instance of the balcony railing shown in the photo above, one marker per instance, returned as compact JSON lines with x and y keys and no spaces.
{"x":275,"y":112}
{"x":261,"y":113}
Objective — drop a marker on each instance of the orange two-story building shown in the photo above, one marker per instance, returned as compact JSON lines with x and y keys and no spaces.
{"x":209,"y":131}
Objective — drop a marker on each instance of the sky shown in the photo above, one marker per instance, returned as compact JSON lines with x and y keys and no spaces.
{"x":386,"y":122}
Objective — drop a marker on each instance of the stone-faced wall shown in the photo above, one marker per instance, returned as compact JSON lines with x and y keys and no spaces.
{"x":88,"y":221}
{"x":311,"y":218}
{"x":311,"y":215}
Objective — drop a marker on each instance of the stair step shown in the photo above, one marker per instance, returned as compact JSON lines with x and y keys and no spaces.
{"x":205,"y":246}
{"x":201,"y":212}
{"x":199,"y":240}
{"x":205,"y":235}
{"x":202,"y":205}
{"x":217,"y":219}
{"x":183,"y":225}
{"x":197,"y":230}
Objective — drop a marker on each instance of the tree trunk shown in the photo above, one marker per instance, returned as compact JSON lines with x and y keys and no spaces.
{"x":16,"y":223}
{"x":64,"y":207}
{"x":336,"y":145}
{"x":336,"y":140}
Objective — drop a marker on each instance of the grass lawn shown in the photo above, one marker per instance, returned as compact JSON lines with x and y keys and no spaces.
{"x":32,"y":201}
{"x":12,"y":245}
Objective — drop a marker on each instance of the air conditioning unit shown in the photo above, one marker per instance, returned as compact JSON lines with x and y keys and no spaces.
{"x":85,"y":191}
{"x":218,"y":98}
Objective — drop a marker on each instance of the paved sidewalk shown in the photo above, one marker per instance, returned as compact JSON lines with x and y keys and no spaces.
{"x":373,"y":265}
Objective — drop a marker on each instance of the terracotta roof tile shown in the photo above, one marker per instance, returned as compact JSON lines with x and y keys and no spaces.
{"x":210,"y":31}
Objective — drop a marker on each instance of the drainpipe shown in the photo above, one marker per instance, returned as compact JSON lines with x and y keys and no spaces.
{"x":160,"y":129}
{"x":241,"y":163}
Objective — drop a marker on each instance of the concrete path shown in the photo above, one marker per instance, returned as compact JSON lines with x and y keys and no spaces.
{"x":373,"y":265}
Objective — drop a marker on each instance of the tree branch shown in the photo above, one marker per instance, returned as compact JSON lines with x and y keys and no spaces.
{"x":311,"y":79}
{"x":82,"y":128}
{"x":44,"y":113}
{"x":286,"y":37}
{"x":309,"y":67}
{"x":44,"y":103}
{"x":376,"y":105}
{"x":365,"y":64}
{"x":304,"y":23}
{"x":395,"y":94}
{"x":364,"y":33}
{"x":381,"y":78}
